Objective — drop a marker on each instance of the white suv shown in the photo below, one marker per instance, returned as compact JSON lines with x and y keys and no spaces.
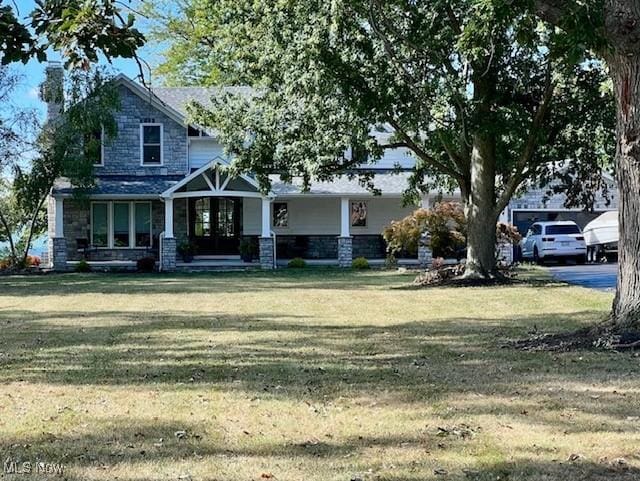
{"x":558,"y":240}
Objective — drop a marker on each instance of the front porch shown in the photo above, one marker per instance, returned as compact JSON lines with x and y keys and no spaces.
{"x":213,"y":214}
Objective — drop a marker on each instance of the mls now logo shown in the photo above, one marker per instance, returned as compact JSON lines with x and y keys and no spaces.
{"x":13,"y":467}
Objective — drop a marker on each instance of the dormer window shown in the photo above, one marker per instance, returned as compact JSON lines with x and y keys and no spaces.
{"x":151,"y":144}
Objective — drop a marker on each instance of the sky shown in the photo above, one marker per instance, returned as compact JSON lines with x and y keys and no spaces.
{"x":33,"y":71}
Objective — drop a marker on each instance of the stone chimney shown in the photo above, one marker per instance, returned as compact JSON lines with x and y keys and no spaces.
{"x":52,"y":89}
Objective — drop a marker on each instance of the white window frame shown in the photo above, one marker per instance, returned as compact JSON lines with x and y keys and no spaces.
{"x":132,"y":227}
{"x":142,"y":144}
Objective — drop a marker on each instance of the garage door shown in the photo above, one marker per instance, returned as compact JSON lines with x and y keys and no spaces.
{"x":523,"y":219}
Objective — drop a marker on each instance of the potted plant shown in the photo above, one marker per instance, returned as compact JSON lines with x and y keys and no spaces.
{"x":186,"y":249}
{"x":247,"y":249}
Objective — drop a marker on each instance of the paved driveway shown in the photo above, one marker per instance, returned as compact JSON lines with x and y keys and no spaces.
{"x":595,"y":276}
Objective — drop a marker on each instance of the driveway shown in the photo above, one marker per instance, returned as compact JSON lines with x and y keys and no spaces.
{"x":595,"y":276}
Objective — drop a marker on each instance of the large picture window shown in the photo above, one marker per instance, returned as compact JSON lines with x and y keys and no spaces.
{"x":121,"y":225}
{"x":143,"y":224}
{"x":100,"y":224}
{"x":151,"y":144}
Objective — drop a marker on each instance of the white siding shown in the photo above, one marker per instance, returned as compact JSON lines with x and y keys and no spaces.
{"x":202,"y":151}
{"x":321,"y":216}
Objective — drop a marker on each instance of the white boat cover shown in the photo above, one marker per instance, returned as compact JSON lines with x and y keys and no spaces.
{"x":602,"y":230}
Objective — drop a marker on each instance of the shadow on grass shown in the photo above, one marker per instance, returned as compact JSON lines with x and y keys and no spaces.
{"x":199,"y":282}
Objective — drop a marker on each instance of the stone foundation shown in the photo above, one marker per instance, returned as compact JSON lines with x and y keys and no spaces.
{"x":168,"y":254}
{"x":345,"y":251}
{"x":266,"y":252}
{"x":425,"y":256}
{"x":57,"y":252}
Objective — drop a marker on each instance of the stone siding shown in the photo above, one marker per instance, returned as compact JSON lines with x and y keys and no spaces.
{"x":369,"y":246}
{"x":122,"y":154}
{"x":168,"y":254}
{"x":345,"y":251}
{"x":266,"y":252}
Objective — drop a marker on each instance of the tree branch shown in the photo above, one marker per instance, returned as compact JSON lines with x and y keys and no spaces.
{"x":443,"y":168}
{"x":530,"y":146}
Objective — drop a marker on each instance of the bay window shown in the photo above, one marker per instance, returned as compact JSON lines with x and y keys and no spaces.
{"x":121,"y":225}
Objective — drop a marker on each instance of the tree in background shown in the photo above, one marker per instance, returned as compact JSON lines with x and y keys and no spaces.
{"x":478,"y":91}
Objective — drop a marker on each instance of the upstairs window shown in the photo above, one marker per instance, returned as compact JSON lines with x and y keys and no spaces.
{"x":151,"y":144}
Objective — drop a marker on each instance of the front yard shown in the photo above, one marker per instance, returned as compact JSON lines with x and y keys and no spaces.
{"x":310,"y":375}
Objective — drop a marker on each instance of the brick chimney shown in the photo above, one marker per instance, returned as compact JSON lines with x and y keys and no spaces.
{"x":52,"y":89}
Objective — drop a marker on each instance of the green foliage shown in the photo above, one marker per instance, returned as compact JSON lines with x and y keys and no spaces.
{"x":83,"y":266}
{"x":80,"y":30}
{"x":146,"y":264}
{"x":360,"y":263}
{"x":436,"y":76}
{"x":297,"y":263}
{"x":248,"y":247}
{"x":186,"y":248}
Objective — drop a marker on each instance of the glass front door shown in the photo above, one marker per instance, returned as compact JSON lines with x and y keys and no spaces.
{"x":214,"y":225}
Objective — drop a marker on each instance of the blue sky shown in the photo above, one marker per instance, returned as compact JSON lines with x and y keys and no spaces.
{"x":33,"y":71}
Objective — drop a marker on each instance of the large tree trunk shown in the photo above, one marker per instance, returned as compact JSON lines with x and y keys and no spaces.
{"x":622,"y":20}
{"x":480,"y":207}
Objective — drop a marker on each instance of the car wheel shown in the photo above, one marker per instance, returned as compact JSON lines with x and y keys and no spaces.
{"x":536,"y":257}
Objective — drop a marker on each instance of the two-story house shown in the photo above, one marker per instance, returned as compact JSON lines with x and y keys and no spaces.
{"x":161,"y":182}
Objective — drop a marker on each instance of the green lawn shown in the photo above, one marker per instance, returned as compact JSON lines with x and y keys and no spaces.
{"x":309,"y":375}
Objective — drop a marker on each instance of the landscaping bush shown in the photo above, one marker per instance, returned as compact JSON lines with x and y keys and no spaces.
{"x":360,"y":263}
{"x":445,"y":223}
{"x":297,"y":263}
{"x":146,"y":264}
{"x":83,"y":266}
{"x":33,"y":261}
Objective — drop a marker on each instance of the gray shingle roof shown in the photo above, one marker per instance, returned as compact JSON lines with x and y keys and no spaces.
{"x":389,"y":183}
{"x":123,"y":185}
{"x":178,"y":97}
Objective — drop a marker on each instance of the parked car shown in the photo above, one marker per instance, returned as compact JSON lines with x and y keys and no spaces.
{"x":554,"y":240}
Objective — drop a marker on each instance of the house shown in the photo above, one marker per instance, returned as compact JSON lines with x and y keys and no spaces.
{"x":163,"y":182}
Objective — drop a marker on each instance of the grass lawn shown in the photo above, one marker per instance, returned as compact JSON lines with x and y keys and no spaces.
{"x":309,"y":375}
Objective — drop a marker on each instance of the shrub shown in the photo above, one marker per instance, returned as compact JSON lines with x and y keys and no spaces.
{"x":445,"y":223}
{"x":83,"y":266}
{"x":297,"y":263}
{"x":360,"y":263}
{"x":34,"y":261}
{"x":146,"y":264}
{"x":447,"y":227}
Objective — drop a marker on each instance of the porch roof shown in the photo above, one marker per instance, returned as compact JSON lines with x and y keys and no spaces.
{"x":122,"y":186}
{"x":390,"y":183}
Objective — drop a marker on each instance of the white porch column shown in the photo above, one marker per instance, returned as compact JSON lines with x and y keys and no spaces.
{"x":266,"y":243}
{"x":168,"y":217}
{"x":59,"y":224}
{"x":266,"y":217}
{"x":344,"y":217}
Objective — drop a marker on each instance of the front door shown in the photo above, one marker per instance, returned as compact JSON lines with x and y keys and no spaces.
{"x":214,"y":225}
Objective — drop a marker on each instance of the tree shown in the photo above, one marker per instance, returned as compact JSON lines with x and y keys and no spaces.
{"x":611,"y":28}
{"x":477,"y":90}
{"x":66,"y":147}
{"x":78,"y":29}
